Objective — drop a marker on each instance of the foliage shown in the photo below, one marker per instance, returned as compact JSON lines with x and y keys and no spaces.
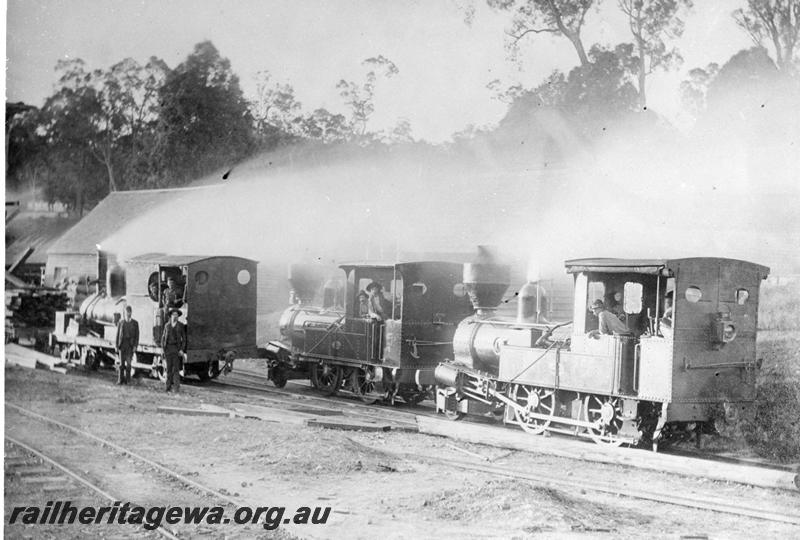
{"x":23,"y":144}
{"x":204,"y":121}
{"x":779,"y":306}
{"x":360,"y":97}
{"x":557,"y":17}
{"x":650,"y":21}
{"x":774,"y":431}
{"x":274,"y":110}
{"x":773,"y":22}
{"x":591,"y":97}
{"x":322,"y":125}
{"x":694,"y":89}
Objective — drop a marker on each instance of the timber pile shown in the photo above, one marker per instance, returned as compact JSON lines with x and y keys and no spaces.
{"x":30,"y":308}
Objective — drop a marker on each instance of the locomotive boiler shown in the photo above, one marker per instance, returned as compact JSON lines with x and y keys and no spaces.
{"x":217,"y":300}
{"x":685,"y":349}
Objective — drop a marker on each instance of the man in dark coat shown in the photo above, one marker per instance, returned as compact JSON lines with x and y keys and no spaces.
{"x":173,"y":342}
{"x":127,"y":341}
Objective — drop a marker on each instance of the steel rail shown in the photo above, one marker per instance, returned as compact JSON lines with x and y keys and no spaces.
{"x":53,"y":463}
{"x":702,"y":503}
{"x":568,"y":433}
{"x":104,"y":442}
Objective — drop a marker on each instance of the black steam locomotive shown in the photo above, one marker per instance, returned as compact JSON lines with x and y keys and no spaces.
{"x":217,"y":300}
{"x":343,"y":347}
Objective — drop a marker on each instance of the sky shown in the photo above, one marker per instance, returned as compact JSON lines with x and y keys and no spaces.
{"x":444,"y":64}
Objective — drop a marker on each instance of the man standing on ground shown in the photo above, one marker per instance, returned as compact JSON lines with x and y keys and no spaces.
{"x":173,"y":342}
{"x":127,"y":341}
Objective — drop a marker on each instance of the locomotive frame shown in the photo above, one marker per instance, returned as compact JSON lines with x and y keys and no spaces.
{"x":639,"y":386}
{"x":219,"y":310}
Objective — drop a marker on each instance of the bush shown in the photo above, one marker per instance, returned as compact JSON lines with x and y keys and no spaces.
{"x":779,"y":307}
{"x":773,"y":430}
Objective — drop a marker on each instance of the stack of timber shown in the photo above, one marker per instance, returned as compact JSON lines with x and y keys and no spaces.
{"x":29,"y":308}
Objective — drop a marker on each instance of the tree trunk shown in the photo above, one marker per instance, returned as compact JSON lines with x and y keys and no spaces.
{"x":112,"y":184}
{"x":642,"y":78}
{"x":575,"y":39}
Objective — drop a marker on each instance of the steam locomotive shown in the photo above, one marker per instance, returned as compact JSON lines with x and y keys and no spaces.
{"x":340,"y":347}
{"x":218,"y":304}
{"x":686,"y":346}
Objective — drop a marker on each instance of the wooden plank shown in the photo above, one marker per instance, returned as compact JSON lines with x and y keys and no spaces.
{"x":15,"y":360}
{"x":631,"y":457}
{"x":347,"y":425}
{"x":24,"y":356}
{"x":193,"y":412}
{"x":279,"y":416}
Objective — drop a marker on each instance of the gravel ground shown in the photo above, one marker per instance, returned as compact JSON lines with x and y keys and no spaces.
{"x":372,"y":491}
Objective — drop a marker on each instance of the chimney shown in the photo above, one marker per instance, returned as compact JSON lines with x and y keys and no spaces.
{"x":486,"y":283}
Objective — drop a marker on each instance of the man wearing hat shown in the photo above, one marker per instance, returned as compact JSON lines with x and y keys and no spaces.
{"x":608,"y":322}
{"x":172,"y":296}
{"x":127,"y":341}
{"x":173,"y":342}
{"x":363,"y":304}
{"x":379,"y":307}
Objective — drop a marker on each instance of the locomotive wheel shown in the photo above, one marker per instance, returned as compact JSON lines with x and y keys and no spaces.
{"x":70,"y":354}
{"x":534,"y":400}
{"x":363,"y":383}
{"x":210,"y":371}
{"x":412,"y":397}
{"x":278,"y":377}
{"x":455,"y":416}
{"x":329,"y":378}
{"x":606,"y":414}
{"x":91,"y":359}
{"x":160,"y":368}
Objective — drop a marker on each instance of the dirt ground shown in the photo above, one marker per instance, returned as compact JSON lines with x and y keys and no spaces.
{"x":374,"y":493}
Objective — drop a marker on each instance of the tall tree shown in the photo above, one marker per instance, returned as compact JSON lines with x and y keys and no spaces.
{"x":694,"y":89}
{"x":361,"y":97}
{"x":650,"y":21}
{"x":776,"y":22}
{"x":204,"y":121}
{"x":557,"y":17}
{"x":324,"y":126}
{"x":274,"y":110}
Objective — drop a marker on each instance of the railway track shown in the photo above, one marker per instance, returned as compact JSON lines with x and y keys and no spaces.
{"x":65,"y":448}
{"x":242,"y":378}
{"x":58,"y":433}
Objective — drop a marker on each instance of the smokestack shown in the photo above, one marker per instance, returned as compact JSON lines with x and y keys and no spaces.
{"x":304,"y":279}
{"x":486,"y":283}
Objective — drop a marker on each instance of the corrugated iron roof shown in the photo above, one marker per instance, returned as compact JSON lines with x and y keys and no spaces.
{"x":39,"y":233}
{"x":113,"y":213}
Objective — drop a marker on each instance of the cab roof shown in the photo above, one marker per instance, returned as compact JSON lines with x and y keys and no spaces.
{"x":177,"y":260}
{"x":645,"y":266}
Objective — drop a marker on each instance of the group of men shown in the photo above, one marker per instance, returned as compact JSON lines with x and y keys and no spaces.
{"x":173,"y":339}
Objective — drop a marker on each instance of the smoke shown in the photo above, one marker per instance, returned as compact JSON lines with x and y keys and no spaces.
{"x":638,"y":192}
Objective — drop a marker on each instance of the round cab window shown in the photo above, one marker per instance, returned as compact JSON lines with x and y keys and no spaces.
{"x":459,"y":289}
{"x":243,"y":277}
{"x":693,"y":294}
{"x":201,"y":277}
